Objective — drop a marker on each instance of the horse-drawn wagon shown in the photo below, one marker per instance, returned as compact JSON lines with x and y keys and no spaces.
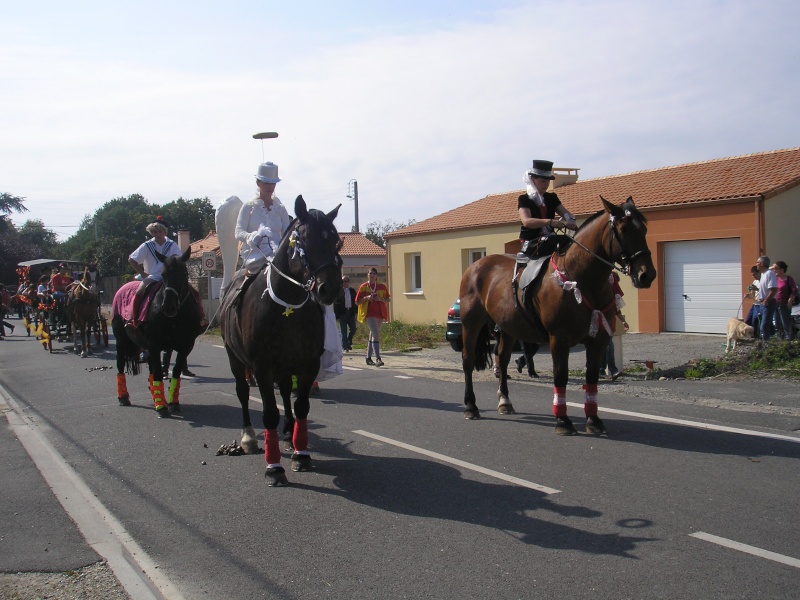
{"x":52,"y":315}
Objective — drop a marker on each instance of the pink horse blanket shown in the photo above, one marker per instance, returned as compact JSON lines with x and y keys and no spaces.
{"x":123,"y":300}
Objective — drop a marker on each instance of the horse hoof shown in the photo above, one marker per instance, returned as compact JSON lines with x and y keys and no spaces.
{"x":124,"y":401}
{"x":595,"y":426}
{"x":174,"y":408}
{"x":301,"y":463}
{"x":564,"y":426}
{"x":506,"y":409}
{"x":162,"y":413}
{"x":276,"y":477}
{"x":472,"y":413}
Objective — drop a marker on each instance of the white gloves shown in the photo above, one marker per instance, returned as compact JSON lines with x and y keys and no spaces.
{"x":264,"y":231}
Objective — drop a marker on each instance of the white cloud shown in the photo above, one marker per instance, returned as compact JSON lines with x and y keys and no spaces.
{"x":425,"y":118}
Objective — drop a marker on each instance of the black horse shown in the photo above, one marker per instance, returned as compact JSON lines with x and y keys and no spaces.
{"x":274,"y":329}
{"x":173,"y":323}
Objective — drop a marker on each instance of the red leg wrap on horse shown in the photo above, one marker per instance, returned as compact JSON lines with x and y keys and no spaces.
{"x":122,"y":386}
{"x":272,"y":449}
{"x":559,"y":401}
{"x":590,"y":400}
{"x":300,"y":435}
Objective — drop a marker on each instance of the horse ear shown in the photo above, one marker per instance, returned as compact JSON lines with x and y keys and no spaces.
{"x":186,"y":254}
{"x":332,"y":215}
{"x":300,"y":209}
{"x":612,"y":208}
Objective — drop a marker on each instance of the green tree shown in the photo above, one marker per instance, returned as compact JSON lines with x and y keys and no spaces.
{"x":377,"y":230}
{"x":13,"y":248}
{"x":196,"y":215}
{"x":34,"y":233}
{"x":9,"y":204}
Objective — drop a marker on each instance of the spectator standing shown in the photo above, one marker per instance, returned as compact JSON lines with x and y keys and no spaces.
{"x":5,"y":308}
{"x":767,"y":290}
{"x":784,"y":298}
{"x":345,"y":309}
{"x":609,"y":360}
{"x":371,"y":299}
{"x":752,"y":292}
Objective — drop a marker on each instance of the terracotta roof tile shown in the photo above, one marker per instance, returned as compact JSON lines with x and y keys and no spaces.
{"x":764,"y":174}
{"x":210,"y":243}
{"x":354,"y":244}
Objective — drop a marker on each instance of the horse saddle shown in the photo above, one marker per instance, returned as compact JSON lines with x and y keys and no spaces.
{"x":531,"y":271}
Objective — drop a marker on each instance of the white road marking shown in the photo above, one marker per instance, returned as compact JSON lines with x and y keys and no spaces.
{"x":136,"y":571}
{"x":403,"y":377}
{"x":696,"y":424}
{"x":459,"y":463}
{"x":774,"y":556}
{"x":351,"y":368}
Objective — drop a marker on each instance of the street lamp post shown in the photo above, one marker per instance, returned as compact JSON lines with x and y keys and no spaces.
{"x":354,"y":197}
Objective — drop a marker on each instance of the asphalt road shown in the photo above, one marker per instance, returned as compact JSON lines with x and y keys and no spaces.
{"x":692,"y":494}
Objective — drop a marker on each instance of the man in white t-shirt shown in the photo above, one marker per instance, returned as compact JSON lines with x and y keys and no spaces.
{"x":146,"y":263}
{"x":767,"y":289}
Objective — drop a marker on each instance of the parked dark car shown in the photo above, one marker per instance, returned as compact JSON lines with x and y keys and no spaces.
{"x":452,"y":331}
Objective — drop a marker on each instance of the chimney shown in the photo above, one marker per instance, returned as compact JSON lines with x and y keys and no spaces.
{"x":183,"y":239}
{"x":563,"y":176}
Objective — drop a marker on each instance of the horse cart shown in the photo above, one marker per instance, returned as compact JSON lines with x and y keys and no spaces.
{"x":59,"y":316}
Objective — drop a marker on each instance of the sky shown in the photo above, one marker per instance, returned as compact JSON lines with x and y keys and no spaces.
{"x":428,"y":105}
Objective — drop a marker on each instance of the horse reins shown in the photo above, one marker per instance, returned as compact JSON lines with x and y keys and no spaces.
{"x":625,"y":261}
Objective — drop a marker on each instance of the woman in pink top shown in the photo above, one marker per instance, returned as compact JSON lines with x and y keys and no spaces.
{"x":787,"y":292}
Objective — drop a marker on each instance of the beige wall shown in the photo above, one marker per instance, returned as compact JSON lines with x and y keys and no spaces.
{"x":443,"y":260}
{"x":781,"y":221}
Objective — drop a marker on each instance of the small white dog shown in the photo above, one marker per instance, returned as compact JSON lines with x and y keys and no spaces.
{"x":738,"y":330}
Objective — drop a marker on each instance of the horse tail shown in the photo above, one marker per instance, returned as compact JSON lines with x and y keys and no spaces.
{"x":483,"y":349}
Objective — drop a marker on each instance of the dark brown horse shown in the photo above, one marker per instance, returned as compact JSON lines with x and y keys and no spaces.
{"x":569,"y":303}
{"x":82,"y":309}
{"x":275,"y":330}
{"x":173,"y":323}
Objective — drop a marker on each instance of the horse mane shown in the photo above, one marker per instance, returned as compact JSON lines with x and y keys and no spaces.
{"x":321,"y":222}
{"x":628,"y":207}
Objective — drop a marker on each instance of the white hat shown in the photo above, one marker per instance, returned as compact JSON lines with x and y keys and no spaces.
{"x":268,"y":172}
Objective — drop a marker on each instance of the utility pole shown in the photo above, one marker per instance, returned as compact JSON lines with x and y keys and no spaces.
{"x":354,"y":197}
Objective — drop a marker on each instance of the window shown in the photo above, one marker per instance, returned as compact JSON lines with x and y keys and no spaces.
{"x":475,"y":255}
{"x":415,"y":272}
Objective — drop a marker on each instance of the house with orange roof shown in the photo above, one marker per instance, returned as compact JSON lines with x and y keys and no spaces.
{"x":707,"y":223}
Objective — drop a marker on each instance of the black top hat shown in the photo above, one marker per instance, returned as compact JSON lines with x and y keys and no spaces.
{"x":542,"y":168}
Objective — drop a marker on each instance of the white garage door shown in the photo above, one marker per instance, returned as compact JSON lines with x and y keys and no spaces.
{"x":702,"y":284}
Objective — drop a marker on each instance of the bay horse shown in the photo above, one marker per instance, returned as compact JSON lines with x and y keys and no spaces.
{"x":172,"y":323}
{"x":274,"y":329}
{"x":82,"y":310}
{"x":570,"y":302}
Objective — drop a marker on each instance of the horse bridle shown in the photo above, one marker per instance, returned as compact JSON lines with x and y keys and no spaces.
{"x":297,"y":250}
{"x":625,"y":261}
{"x":168,"y":288}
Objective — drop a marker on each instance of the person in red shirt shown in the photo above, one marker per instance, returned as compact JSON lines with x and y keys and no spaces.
{"x":60,"y":281}
{"x":371,"y":299}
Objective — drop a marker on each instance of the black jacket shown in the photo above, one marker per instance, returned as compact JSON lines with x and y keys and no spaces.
{"x":338,"y":305}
